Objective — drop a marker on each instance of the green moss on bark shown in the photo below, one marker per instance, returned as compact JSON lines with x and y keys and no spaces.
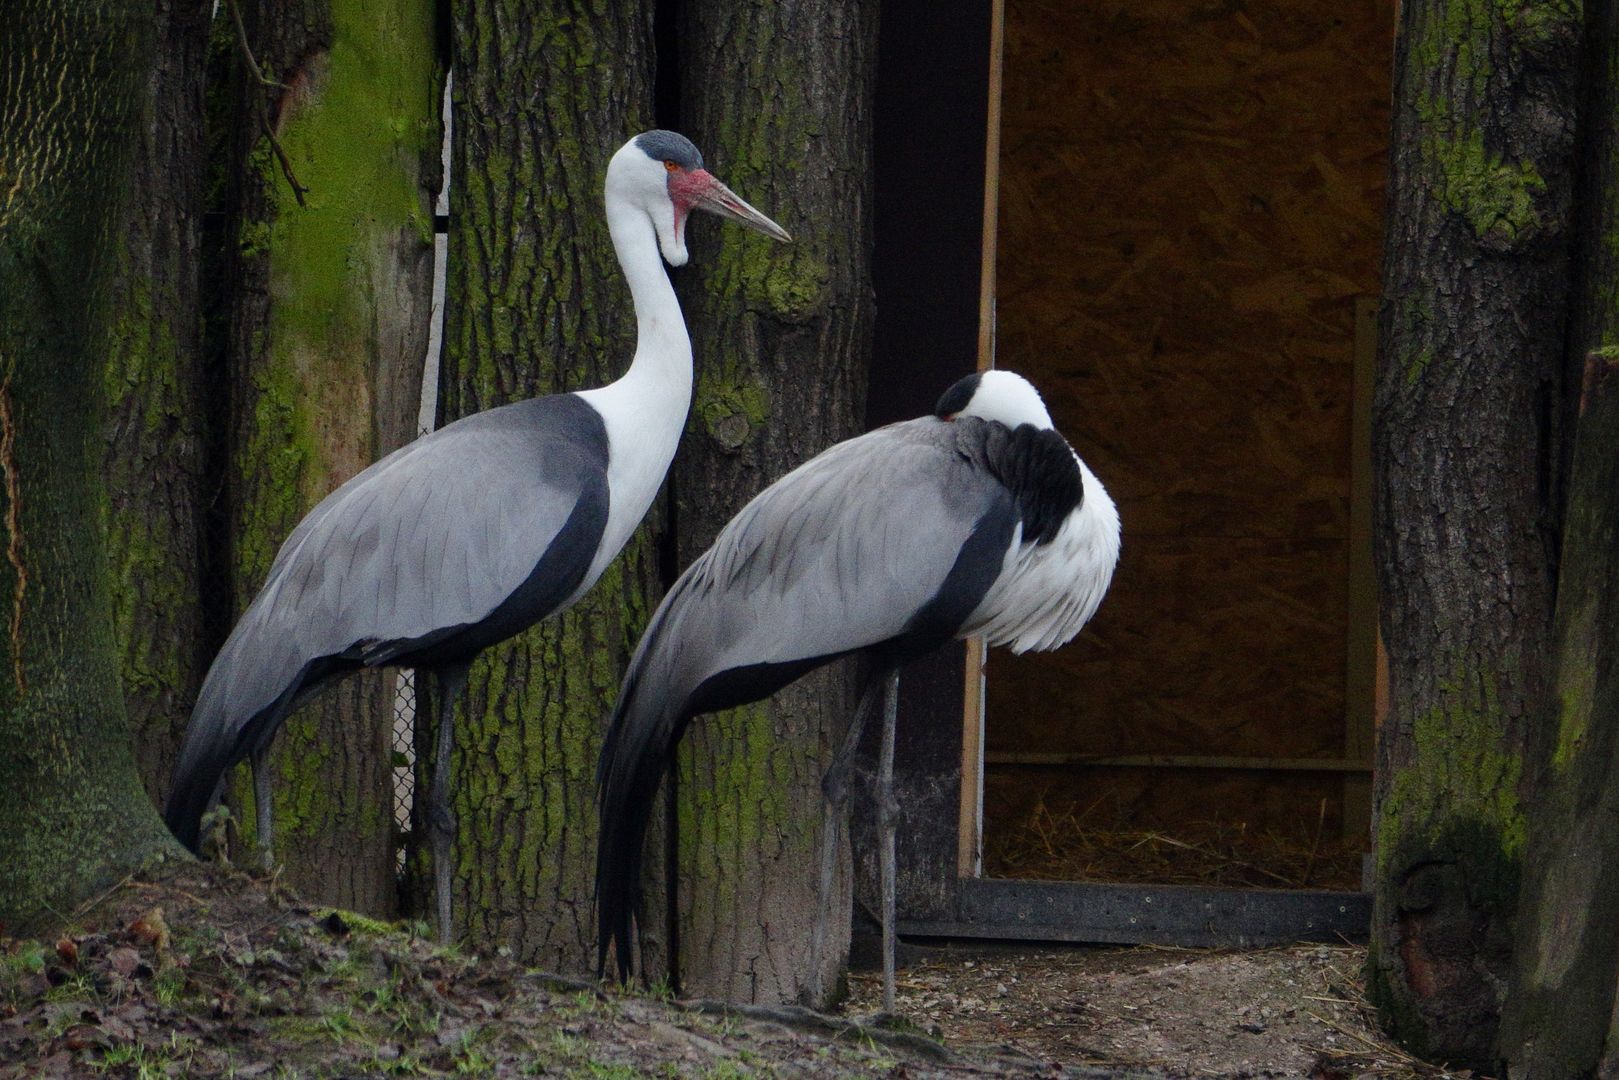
{"x":1459,"y":796}
{"x":1498,"y":198}
{"x":345,"y":276}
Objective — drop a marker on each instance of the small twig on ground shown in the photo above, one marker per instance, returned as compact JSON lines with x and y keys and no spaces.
{"x":160,"y":887}
{"x":796,"y":1016}
{"x":564,"y":984}
{"x":94,"y":900}
{"x":298,"y":189}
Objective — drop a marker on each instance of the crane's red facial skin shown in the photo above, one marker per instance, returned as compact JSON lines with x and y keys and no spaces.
{"x":686,"y":189}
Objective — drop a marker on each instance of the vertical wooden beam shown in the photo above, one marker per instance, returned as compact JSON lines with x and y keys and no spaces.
{"x":970,"y":825}
{"x":992,"y":188}
{"x":970,"y":830}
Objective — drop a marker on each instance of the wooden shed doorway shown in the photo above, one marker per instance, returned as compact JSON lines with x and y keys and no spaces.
{"x":1189,"y":227}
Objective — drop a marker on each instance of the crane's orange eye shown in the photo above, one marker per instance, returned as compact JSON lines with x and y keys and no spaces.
{"x":671,"y":166}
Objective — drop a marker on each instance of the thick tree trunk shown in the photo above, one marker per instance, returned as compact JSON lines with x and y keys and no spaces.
{"x":73,"y":812}
{"x":329,"y":333}
{"x":779,"y":98}
{"x":1558,"y":1020}
{"x":1466,"y":436}
{"x":155,"y":424}
{"x":544,"y":95}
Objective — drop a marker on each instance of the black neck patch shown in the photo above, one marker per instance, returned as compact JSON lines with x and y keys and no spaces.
{"x":1038,"y":468}
{"x":958,"y":397}
{"x":670,"y":146}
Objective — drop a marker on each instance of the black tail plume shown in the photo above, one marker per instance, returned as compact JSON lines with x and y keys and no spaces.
{"x":639,"y":746}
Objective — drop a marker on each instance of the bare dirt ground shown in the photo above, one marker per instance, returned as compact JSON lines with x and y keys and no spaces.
{"x":1286,"y":1012}
{"x":208,"y":972}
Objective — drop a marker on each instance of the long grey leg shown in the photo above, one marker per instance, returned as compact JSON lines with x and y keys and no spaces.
{"x":887,"y":814}
{"x":440,"y":821}
{"x":834,"y":803}
{"x":260,"y":760}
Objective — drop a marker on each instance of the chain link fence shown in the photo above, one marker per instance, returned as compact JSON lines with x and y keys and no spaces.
{"x":404,"y":760}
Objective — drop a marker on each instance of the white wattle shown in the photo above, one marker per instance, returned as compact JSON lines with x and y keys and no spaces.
{"x":645,"y":411}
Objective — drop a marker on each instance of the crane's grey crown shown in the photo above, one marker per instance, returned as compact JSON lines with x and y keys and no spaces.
{"x":670,"y":146}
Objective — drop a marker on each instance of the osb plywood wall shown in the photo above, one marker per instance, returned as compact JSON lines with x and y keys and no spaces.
{"x":1191,"y":198}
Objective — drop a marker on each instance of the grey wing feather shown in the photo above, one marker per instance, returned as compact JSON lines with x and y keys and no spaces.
{"x":837,"y":555}
{"x":402,"y":549}
{"x":419,"y":520}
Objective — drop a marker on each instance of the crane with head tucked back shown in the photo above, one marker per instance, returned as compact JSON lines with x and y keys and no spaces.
{"x":979,"y":520}
{"x":471,"y":534}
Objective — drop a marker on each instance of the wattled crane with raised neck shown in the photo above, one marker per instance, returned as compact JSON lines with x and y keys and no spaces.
{"x":470,"y":534}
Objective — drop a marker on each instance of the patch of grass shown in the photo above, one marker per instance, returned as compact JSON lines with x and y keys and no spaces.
{"x":29,"y":959}
{"x":131,"y":1057}
{"x":141,"y":1062}
{"x":660,"y":990}
{"x":168,"y":985}
{"x":471,"y":1062}
{"x":76,"y":988}
{"x":340,"y":1022}
{"x":567,"y":1047}
{"x":363,"y":924}
{"x":402,"y":1065}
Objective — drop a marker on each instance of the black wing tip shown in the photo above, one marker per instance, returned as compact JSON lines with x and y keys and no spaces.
{"x":618,"y":857}
{"x":618,"y":939}
{"x":183,"y":814}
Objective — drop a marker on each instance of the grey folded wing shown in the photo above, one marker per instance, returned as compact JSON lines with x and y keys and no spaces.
{"x":435,"y":536}
{"x":845,"y":552}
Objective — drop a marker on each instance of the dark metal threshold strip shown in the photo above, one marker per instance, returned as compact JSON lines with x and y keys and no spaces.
{"x":1178,"y":761}
{"x":1071,"y":911}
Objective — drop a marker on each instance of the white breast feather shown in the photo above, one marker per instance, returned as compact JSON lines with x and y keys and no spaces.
{"x":1046,"y":593}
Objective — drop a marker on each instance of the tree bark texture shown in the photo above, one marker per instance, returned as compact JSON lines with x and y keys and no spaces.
{"x":545,"y":91}
{"x":1467,"y":434}
{"x":1558,"y":1022}
{"x":329,"y":332}
{"x":156,"y":408}
{"x":75,"y":815}
{"x":779,"y":99}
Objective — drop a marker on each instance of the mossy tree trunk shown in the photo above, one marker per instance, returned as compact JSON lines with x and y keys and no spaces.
{"x":1467,"y":448}
{"x":156,"y":409}
{"x":545,"y":91}
{"x":329,"y":330}
{"x":75,"y":817}
{"x":779,"y":98}
{"x":1559,"y":1021}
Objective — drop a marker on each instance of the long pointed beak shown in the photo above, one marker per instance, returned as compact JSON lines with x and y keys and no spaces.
{"x":718,"y":199}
